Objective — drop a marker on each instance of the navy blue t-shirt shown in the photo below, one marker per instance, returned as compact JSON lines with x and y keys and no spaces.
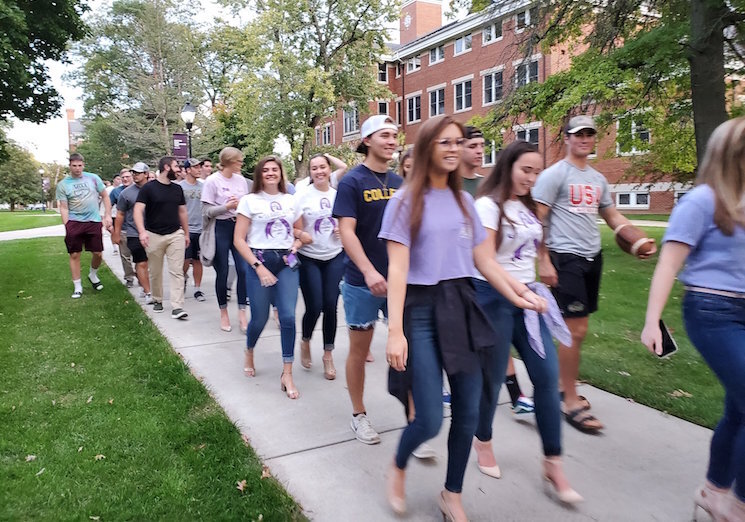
{"x":363,"y":194}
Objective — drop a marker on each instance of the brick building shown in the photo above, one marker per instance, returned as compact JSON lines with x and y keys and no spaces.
{"x":463,"y":69}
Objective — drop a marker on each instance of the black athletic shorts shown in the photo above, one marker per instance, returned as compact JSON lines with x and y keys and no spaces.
{"x":138,"y":251}
{"x":192,"y":252}
{"x":579,"y":283}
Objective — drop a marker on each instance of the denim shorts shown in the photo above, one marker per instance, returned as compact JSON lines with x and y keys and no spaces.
{"x":361,"y":306}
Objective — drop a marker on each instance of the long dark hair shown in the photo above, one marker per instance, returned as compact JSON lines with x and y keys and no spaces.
{"x":498,"y":184}
{"x":406,"y":155}
{"x":418,"y":181}
{"x":258,"y":185}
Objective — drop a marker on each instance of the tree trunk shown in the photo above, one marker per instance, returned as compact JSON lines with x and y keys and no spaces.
{"x":706,"y":57}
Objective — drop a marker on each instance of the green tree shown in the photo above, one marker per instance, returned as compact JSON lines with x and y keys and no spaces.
{"x":20,"y":182}
{"x":33,"y":32}
{"x":663,"y":62}
{"x":316,"y":57}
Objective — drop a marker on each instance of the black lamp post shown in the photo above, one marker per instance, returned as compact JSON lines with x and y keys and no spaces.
{"x":188,"y":113}
{"x":43,"y":201}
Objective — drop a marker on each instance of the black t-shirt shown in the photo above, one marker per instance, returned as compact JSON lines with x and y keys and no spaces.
{"x":161,"y":206}
{"x":363,"y":195}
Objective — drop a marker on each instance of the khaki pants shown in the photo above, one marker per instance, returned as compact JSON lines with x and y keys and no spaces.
{"x":126,"y":256}
{"x":172,"y":246}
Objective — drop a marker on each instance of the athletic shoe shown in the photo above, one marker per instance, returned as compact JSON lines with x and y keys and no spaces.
{"x":199,"y":296}
{"x":446,"y":398}
{"x":363,"y":430}
{"x":157,"y":307}
{"x":77,"y":294}
{"x":149,"y":300}
{"x":227,"y":296}
{"x":143,"y":294}
{"x":129,"y":283}
{"x":523,"y":406}
{"x":178,"y":313}
{"x":424,"y":451}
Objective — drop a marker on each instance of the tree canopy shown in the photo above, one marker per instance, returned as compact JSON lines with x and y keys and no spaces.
{"x":20,"y":182}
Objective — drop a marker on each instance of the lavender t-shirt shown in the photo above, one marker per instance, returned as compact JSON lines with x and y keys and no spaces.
{"x":443,"y":249}
{"x":716,"y":260}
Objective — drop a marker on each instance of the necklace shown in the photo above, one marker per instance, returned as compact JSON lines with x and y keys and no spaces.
{"x":383,"y":183}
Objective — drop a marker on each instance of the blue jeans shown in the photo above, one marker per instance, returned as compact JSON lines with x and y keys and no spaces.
{"x":716,"y":327}
{"x":283,"y":294}
{"x":426,"y":366}
{"x":223,"y":246}
{"x":361,"y":306}
{"x":508,"y":322}
{"x":319,"y":281}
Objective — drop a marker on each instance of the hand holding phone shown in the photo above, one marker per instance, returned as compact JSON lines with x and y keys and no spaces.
{"x":292,"y":261}
{"x":669,"y":345}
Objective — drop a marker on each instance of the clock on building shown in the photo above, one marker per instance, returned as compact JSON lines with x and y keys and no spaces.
{"x":407,"y":20}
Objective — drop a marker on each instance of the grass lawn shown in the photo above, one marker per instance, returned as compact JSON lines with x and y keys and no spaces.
{"x":614,"y":359}
{"x":22,"y":220}
{"x":649,"y":217}
{"x":101,"y":419}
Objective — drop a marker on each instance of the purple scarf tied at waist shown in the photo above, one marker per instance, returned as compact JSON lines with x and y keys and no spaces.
{"x":552,"y":317}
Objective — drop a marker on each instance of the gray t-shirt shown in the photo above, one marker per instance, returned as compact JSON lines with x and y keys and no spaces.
{"x":574,"y":197}
{"x":193,"y":197}
{"x":126,"y":204}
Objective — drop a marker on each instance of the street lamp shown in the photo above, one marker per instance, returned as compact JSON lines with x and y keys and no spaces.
{"x":188,"y":113}
{"x":43,"y":202}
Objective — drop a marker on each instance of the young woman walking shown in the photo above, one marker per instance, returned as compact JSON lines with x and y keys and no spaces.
{"x":322,"y":262}
{"x":706,"y":232}
{"x":267,"y":236}
{"x":220,"y":195}
{"x":513,"y":235}
{"x":434,"y":239}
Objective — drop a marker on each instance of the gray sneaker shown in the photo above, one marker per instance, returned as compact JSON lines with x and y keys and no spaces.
{"x":157,"y":307}
{"x":199,"y":296}
{"x":424,"y":451}
{"x":149,"y":300}
{"x":129,"y":283}
{"x":178,"y":313}
{"x":363,"y":430}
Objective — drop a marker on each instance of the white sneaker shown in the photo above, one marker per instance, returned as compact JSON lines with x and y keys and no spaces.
{"x":424,"y":451}
{"x":363,"y":430}
{"x":149,"y":299}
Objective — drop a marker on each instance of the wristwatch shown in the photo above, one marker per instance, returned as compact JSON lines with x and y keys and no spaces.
{"x":256,"y":265}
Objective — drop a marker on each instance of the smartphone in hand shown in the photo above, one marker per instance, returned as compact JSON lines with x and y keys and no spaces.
{"x":292,"y":261}
{"x":669,"y":346}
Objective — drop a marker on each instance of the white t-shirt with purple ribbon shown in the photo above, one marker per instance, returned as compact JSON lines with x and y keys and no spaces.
{"x":521,"y":236}
{"x":316,"y":208}
{"x":272,"y":217}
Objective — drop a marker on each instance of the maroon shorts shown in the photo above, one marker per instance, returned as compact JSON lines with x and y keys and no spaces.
{"x":80,"y":233}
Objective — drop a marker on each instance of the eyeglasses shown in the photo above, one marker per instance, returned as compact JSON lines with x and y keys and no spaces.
{"x":446,"y":143}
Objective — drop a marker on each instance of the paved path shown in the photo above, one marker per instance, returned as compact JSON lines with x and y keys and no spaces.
{"x":643,"y":468}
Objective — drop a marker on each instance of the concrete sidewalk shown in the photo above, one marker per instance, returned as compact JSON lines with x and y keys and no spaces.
{"x":645,"y":466}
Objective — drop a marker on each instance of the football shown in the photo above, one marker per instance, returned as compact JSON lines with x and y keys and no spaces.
{"x":633,"y":240}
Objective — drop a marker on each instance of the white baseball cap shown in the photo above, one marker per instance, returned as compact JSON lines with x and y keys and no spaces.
{"x":140,"y":167}
{"x":372,"y":125}
{"x":579,"y":123}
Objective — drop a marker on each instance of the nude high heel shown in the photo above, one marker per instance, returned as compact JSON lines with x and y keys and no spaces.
{"x":485,"y":448}
{"x":565,"y":496}
{"x":713,"y":501}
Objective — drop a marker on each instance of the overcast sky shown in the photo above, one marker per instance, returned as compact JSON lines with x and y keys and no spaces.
{"x":48,"y":141}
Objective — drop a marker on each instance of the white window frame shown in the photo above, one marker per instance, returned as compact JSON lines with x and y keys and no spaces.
{"x":456,"y":83}
{"x":326,"y":135}
{"x":633,"y":204}
{"x":536,"y":58}
{"x":440,"y":102}
{"x":634,"y":151}
{"x":413,"y":64}
{"x":491,"y":31}
{"x":466,"y":42}
{"x":527,"y":128}
{"x":383,"y":103}
{"x":528,"y":18}
{"x":678,"y":195}
{"x":491,"y":158}
{"x":318,"y":135}
{"x":383,"y":72}
{"x":439,"y":53}
{"x":409,"y":99}
{"x":399,"y":69}
{"x":489,"y":73}
{"x":351,"y":127}
{"x":399,"y":110}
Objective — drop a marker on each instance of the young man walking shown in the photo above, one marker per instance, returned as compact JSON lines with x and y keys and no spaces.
{"x":206,"y":168}
{"x":192,"y":187}
{"x":162,"y":224}
{"x":124,"y":254}
{"x":570,"y":195}
{"x":361,"y":199}
{"x":78,"y":197}
{"x":125,"y":232}
{"x":472,"y":156}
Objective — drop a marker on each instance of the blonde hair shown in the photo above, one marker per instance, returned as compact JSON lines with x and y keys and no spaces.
{"x":229,"y":155}
{"x":723,"y":169}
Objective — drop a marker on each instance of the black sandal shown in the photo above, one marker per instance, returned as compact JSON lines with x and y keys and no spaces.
{"x":98,"y":286}
{"x":582,"y":399}
{"x":582,"y":423}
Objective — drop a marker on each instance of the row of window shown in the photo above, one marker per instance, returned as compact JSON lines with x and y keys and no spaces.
{"x":463,"y":44}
